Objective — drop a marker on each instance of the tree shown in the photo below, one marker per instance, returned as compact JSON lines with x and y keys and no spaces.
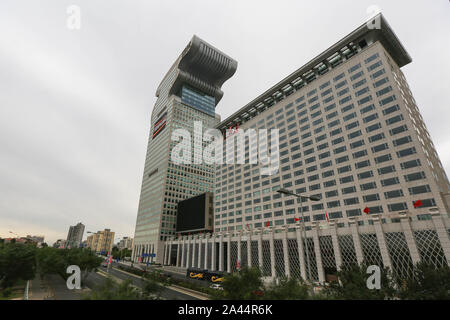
{"x":246,"y":284}
{"x":110,"y":290}
{"x":17,"y":262}
{"x":287,"y":289}
{"x":352,"y":285}
{"x":52,"y":260}
{"x":427,"y":283}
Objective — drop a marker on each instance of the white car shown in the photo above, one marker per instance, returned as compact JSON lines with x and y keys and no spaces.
{"x":216,"y":286}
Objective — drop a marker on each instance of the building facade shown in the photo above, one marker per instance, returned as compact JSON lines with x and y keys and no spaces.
{"x":75,"y":235}
{"x":102,"y":241}
{"x":125,"y":243}
{"x":351,"y":134}
{"x":189,"y":92}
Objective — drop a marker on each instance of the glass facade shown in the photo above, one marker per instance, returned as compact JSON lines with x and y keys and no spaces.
{"x":198,"y":100}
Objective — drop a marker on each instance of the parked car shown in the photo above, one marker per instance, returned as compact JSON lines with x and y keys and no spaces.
{"x":216,"y":286}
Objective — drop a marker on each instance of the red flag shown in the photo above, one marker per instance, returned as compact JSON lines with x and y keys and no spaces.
{"x":297,"y":219}
{"x":366,"y":210}
{"x":267,"y":224}
{"x":417,"y":204}
{"x":326,"y":216}
{"x":248,"y":227}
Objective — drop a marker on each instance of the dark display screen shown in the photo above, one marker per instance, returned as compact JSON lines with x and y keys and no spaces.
{"x":191,"y":214}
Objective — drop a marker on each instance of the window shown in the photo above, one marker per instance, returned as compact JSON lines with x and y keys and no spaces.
{"x":406,"y":152}
{"x":410,"y":164}
{"x":393,"y":194}
{"x":385,"y":170}
{"x":390,"y":181}
{"x":397,"y":206}
{"x":351,"y":201}
{"x":368,"y":186}
{"x":419,"y":189}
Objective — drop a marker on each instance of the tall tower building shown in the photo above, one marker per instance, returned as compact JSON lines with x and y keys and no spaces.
{"x":75,"y":235}
{"x":189,"y":92}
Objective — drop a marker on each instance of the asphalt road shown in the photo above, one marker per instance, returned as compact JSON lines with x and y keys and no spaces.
{"x":95,"y":279}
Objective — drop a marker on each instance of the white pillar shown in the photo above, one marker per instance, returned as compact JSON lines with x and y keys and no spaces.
{"x":213,"y":253}
{"x":336,"y":249}
{"x":188,"y":253}
{"x":199,"y":256}
{"x":249,"y":250}
{"x":301,"y":251}
{"x":409,"y":237}
{"x":239,"y":253}
{"x":272,"y":253}
{"x":205,"y":262}
{"x":319,"y":264}
{"x":170,"y":251}
{"x":260,"y":252}
{"x":356,"y":240}
{"x":441,"y":233}
{"x":381,"y":241}
{"x":221,"y":266}
{"x":177,"y":264}
{"x":183,"y":256}
{"x":287,"y":267}
{"x":229,"y":252}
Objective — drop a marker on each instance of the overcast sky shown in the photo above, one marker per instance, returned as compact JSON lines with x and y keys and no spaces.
{"x":75,"y":105}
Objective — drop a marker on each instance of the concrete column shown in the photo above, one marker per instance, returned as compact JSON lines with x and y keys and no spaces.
{"x":260,"y":252}
{"x":287,"y":267}
{"x":301,"y":251}
{"x":205,"y":262}
{"x":213,"y":253}
{"x":319,"y":264}
{"x":356,"y":240}
{"x":183,"y":257}
{"x":229,"y":253}
{"x":249,"y":250}
{"x":272,"y":253}
{"x":336,"y":248}
{"x":177,"y":264}
{"x":239,"y":253}
{"x":170,"y":252}
{"x":381,"y":241}
{"x":199,"y":256}
{"x":441,"y":233}
{"x":409,"y":237}
{"x":188,"y":253}
{"x":221,"y":266}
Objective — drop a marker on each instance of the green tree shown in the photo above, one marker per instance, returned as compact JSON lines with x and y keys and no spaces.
{"x":246,"y":284}
{"x":110,"y":290}
{"x":17,"y":262}
{"x":427,"y":283}
{"x":287,"y":289}
{"x":352,"y":285}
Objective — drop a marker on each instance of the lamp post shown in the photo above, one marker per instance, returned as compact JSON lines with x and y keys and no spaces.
{"x":312,"y":198}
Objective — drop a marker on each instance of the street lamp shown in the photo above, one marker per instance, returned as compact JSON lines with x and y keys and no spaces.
{"x":312,"y":198}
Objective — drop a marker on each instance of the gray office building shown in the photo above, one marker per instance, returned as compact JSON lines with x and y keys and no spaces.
{"x":75,"y":236}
